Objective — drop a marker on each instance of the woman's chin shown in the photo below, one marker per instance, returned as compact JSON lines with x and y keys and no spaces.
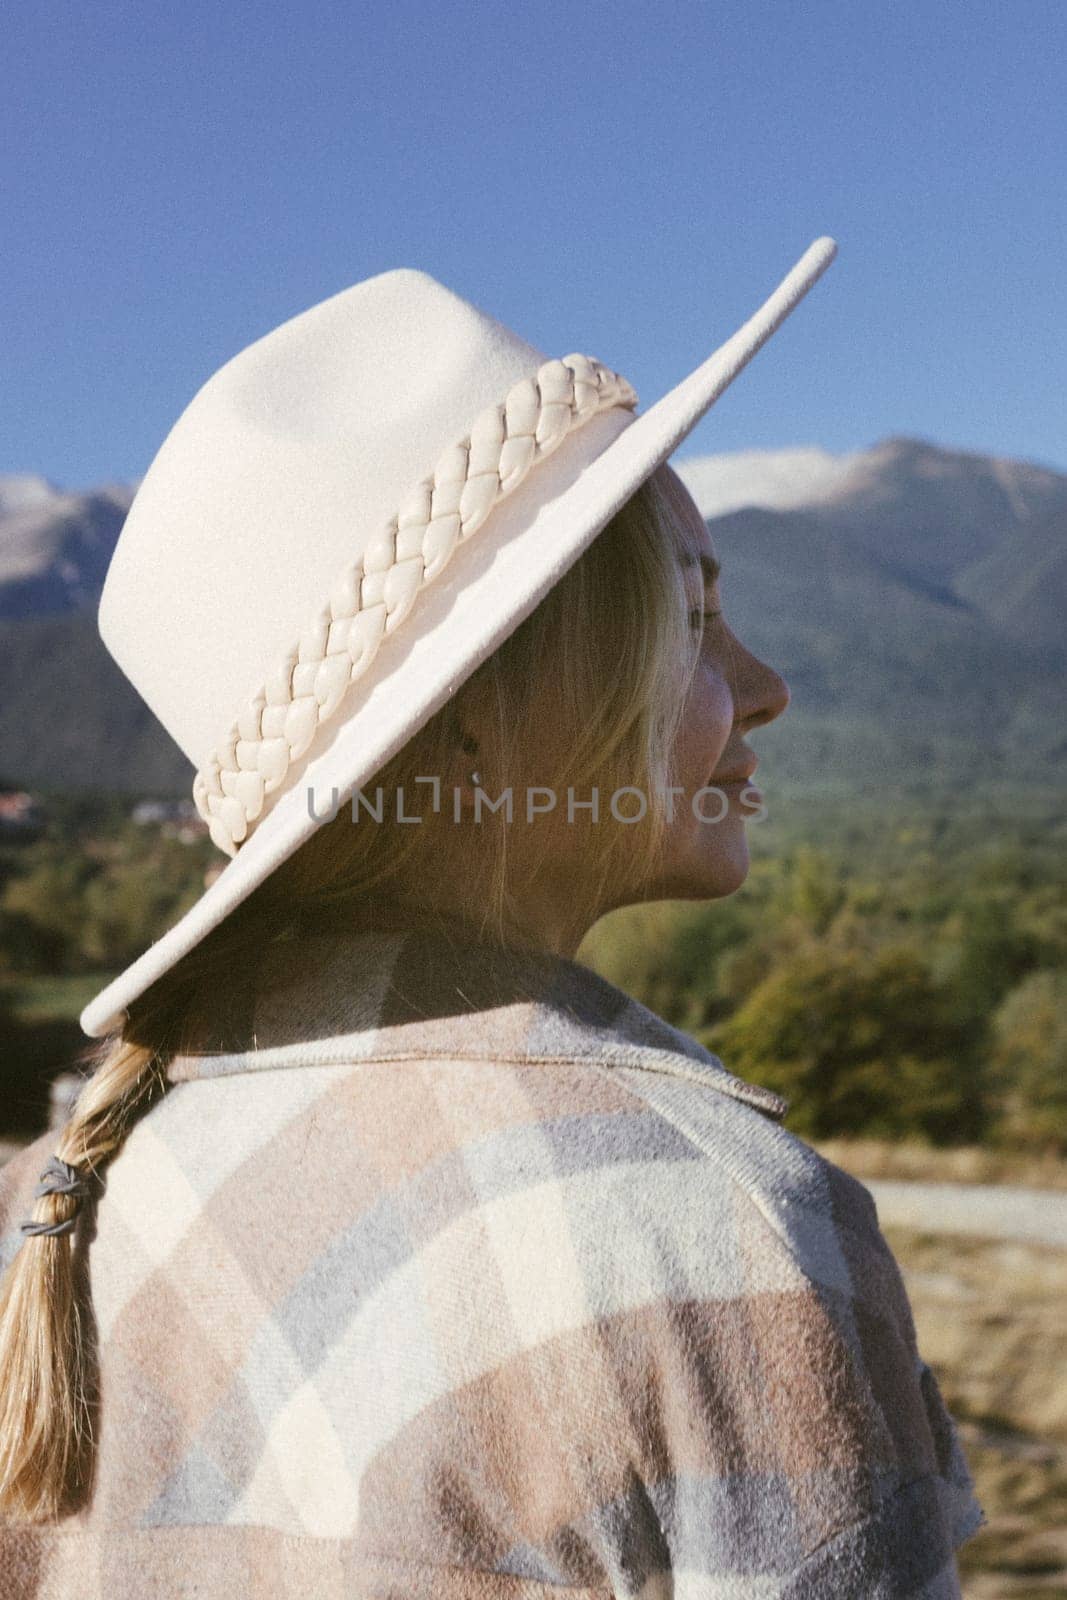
{"x":726,"y":859}
{"x":715,"y":868}
{"x":726,"y":873}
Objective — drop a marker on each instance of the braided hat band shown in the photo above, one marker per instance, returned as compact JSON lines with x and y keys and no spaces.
{"x":375,"y":592}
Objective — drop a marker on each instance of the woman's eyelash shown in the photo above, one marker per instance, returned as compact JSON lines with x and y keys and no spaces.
{"x":700,"y":617}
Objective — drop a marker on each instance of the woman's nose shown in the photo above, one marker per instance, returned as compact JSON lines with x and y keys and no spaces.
{"x":764,"y":693}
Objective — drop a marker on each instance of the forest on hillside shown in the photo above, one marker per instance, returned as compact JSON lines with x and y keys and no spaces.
{"x":895,"y":972}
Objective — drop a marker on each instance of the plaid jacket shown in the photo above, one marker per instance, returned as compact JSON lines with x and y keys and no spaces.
{"x":440,"y":1276}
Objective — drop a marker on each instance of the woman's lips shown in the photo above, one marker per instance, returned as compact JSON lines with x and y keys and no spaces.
{"x":736,"y":778}
{"x":737,"y":784}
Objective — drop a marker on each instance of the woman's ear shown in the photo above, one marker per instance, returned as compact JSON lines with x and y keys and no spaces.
{"x":462,"y":744}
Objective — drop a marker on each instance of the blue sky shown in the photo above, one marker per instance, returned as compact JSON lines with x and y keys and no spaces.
{"x":626,"y":180}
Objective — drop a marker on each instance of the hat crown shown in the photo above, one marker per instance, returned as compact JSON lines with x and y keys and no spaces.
{"x":279,"y":473}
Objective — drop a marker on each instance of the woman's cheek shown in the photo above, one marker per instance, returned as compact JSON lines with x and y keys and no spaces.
{"x":708,"y":723}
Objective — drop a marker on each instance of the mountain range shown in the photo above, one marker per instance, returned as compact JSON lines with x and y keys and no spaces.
{"x":912,"y":596}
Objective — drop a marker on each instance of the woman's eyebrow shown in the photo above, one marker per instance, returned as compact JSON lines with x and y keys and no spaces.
{"x":710,"y":567}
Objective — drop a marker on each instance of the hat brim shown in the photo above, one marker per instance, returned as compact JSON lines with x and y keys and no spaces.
{"x":539,"y":532}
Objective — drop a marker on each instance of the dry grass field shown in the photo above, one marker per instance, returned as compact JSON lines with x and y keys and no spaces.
{"x":990,"y":1318}
{"x":990,"y":1321}
{"x":873,"y":1158}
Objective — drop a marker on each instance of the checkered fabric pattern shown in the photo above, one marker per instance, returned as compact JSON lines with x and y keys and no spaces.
{"x":443,"y":1273}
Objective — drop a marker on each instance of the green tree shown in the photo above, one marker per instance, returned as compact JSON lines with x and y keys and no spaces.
{"x":1028,"y":1066}
{"x":666,"y":954}
{"x":987,"y":951}
{"x":810,"y":890}
{"x":129,"y":903}
{"x":40,"y":913}
{"x":859,"y":1042}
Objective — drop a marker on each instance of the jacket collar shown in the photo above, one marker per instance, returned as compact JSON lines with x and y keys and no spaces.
{"x":393,"y":991}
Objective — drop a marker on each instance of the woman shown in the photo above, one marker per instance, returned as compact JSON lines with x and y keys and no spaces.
{"x":422,"y":1261}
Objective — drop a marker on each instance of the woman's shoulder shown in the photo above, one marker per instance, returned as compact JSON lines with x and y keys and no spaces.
{"x":668,"y":1115}
{"x":660,"y":1172}
{"x":776,"y":1293}
{"x":732,"y":1287}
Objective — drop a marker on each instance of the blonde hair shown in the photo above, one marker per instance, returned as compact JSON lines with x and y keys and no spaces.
{"x":603,"y":665}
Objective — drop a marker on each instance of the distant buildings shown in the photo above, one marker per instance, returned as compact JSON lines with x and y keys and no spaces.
{"x":21,"y":816}
{"x":176,"y":819}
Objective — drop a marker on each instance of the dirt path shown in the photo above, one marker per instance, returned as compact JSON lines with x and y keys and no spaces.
{"x":989,"y":1211}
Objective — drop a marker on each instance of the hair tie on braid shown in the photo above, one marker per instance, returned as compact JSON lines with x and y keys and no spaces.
{"x":59,"y":1177}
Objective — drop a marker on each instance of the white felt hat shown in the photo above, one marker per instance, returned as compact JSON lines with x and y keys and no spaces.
{"x":345,"y":521}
